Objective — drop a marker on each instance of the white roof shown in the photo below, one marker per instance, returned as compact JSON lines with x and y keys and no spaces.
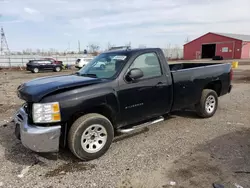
{"x":235,"y":36}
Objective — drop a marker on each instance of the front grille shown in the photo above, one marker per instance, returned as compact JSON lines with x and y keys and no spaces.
{"x":25,"y":107}
{"x":28,"y":110}
{"x":28,"y":107}
{"x":20,"y":117}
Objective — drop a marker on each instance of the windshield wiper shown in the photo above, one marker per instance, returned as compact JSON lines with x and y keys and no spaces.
{"x":88,"y":75}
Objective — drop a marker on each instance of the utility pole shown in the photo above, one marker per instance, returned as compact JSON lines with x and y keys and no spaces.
{"x":4,"y":44}
{"x":79,"y":46}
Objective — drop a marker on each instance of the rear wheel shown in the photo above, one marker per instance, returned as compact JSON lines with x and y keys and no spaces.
{"x":35,"y":70}
{"x":90,"y":136}
{"x":208,"y":103}
{"x":58,"y":69}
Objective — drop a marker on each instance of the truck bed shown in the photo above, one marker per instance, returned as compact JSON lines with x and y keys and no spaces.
{"x":181,"y":66}
{"x":189,"y":79}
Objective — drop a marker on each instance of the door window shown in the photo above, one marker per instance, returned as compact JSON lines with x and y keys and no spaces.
{"x":44,"y":62}
{"x":149,"y":64}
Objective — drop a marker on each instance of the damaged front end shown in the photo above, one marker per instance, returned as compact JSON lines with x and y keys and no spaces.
{"x":36,"y":138}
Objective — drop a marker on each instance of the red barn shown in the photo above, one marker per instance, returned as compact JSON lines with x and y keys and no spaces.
{"x":229,"y":46}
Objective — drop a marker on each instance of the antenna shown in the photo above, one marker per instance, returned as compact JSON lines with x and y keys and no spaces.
{"x":4,"y":44}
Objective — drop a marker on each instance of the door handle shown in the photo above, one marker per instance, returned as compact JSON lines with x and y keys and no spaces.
{"x":161,"y":84}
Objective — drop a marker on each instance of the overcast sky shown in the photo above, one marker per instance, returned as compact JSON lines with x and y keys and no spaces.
{"x":154,"y":23}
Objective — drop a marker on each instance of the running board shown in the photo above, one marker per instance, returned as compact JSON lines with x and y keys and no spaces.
{"x":141,"y":125}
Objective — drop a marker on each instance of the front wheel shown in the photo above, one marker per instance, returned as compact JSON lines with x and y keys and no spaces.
{"x":58,"y":69}
{"x":208,"y":103}
{"x":35,"y":70}
{"x":90,"y":136}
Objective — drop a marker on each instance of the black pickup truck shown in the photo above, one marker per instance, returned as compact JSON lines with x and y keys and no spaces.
{"x":85,"y":110}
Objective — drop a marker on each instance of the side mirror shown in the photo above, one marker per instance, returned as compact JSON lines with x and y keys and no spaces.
{"x":134,"y":74}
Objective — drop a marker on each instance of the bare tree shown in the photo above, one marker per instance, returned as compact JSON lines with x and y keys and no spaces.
{"x":109,"y":45}
{"x":169,"y":46}
{"x":176,"y":51}
{"x":128,"y":44}
{"x":93,"y":48}
{"x":167,"y":51}
{"x":38,"y":51}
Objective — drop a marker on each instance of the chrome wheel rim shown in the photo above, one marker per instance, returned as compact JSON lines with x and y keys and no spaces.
{"x":35,"y":70}
{"x":57,"y":69}
{"x":94,"y":138}
{"x":210,"y":104}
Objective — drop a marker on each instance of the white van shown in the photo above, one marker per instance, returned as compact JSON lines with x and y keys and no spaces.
{"x":81,"y":62}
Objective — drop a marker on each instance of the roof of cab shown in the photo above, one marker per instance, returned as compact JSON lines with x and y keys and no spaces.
{"x":127,"y":51}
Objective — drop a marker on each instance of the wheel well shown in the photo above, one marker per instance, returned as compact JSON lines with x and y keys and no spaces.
{"x":215,"y":85}
{"x":103,"y":110}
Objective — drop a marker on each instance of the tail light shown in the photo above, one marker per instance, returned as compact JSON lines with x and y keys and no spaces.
{"x":231,"y":74}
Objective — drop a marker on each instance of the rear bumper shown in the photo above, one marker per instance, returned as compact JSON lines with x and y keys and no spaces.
{"x":230,"y":89}
{"x":36,"y":138}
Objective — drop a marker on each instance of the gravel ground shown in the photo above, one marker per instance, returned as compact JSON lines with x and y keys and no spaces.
{"x":184,"y":151}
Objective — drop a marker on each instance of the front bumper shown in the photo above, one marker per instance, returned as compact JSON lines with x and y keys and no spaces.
{"x":36,"y":138}
{"x":28,"y":68}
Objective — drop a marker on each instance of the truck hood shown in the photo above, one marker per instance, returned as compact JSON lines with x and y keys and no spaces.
{"x":35,"y":90}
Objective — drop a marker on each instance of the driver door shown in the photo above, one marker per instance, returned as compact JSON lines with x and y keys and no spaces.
{"x":47,"y":65}
{"x":148,"y":97}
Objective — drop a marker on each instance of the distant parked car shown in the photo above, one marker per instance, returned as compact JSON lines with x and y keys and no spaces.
{"x":100,"y":65}
{"x":81,"y":62}
{"x":40,"y":65}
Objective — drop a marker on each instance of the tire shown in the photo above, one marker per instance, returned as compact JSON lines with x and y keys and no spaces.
{"x":102,"y":67}
{"x":208,"y":104}
{"x":82,"y":127}
{"x":35,"y":70}
{"x":58,"y":69}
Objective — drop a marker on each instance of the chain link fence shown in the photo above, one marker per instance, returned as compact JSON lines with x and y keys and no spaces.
{"x":22,"y":60}
{"x":9,"y":61}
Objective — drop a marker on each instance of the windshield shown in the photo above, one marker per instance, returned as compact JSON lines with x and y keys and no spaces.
{"x":106,"y":65}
